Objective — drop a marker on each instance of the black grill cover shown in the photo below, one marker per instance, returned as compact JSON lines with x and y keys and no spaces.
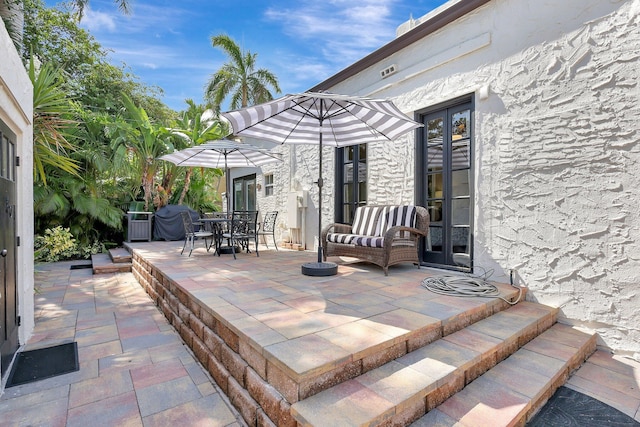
{"x":168,"y":222}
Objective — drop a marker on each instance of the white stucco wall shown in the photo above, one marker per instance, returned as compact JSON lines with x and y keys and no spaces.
{"x":297,"y":173}
{"x":557,"y":186}
{"x":16,"y":111}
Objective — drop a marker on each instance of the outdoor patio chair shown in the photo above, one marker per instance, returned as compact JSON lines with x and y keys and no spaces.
{"x":242,"y":231}
{"x":217,"y":223}
{"x":191,"y":233}
{"x":268,"y":227}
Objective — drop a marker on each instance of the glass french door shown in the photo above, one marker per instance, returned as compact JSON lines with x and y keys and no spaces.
{"x":446,"y":187}
{"x":351,"y":181}
{"x":244,"y":193}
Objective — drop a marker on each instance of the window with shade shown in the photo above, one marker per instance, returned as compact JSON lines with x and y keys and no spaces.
{"x":268,"y":184}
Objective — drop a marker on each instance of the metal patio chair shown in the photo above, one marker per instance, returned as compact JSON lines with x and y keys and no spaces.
{"x":191,"y":234}
{"x":268,"y":227}
{"x":242,"y":231}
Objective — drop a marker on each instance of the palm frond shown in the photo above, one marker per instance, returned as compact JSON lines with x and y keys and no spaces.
{"x":49,"y":202}
{"x":52,"y":121}
{"x":229,"y":46}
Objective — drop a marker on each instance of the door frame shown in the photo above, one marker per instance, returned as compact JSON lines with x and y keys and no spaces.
{"x":247,"y":193}
{"x":421,"y":190}
{"x":9,"y":317}
{"x":352,"y":155}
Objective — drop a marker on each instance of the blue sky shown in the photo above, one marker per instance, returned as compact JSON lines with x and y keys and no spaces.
{"x":167,"y":42}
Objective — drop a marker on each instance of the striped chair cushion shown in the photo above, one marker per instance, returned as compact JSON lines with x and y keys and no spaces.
{"x":368,"y":241}
{"x":365,"y":221}
{"x":397,"y":215}
{"x":340,"y":238}
{"x":352,"y":239}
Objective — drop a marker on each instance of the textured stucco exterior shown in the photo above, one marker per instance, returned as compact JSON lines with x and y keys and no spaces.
{"x":556,"y":154}
{"x":16,"y":111}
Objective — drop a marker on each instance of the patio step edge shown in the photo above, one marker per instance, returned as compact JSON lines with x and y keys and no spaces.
{"x":120,"y":255}
{"x":403,"y":390}
{"x":514,"y":390}
{"x":103,"y":264}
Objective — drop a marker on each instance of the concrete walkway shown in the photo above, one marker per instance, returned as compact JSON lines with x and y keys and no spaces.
{"x":134,"y":368}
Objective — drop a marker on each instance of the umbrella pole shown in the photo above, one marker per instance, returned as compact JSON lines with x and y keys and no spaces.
{"x":320,"y":184}
{"x":320,"y":268}
{"x":228,"y":183}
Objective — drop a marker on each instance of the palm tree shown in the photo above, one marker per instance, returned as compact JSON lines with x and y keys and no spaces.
{"x":139,"y":143}
{"x":12,"y":14}
{"x":80,"y":5}
{"x":239,"y":78}
{"x":196,"y":126}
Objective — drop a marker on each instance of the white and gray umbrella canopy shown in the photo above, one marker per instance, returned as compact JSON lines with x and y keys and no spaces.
{"x":334,"y":120}
{"x":223,"y":153}
{"x":323,"y":119}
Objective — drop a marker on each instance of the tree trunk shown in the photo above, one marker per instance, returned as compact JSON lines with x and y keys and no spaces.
{"x":12,"y":13}
{"x":187,"y":182}
{"x":147,"y":185}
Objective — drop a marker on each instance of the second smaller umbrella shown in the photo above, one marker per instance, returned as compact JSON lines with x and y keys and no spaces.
{"x":223,"y":153}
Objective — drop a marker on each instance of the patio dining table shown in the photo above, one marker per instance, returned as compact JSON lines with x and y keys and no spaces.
{"x":217,"y":226}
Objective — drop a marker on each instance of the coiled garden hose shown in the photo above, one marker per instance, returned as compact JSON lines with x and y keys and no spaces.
{"x":467,"y":286}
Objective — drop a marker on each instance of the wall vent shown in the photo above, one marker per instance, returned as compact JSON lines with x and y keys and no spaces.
{"x":391,"y":69}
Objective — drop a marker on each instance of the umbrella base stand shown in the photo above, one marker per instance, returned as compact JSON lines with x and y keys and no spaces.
{"x":319,"y":269}
{"x":226,"y":250}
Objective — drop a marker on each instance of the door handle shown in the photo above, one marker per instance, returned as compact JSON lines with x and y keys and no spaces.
{"x":3,"y":253}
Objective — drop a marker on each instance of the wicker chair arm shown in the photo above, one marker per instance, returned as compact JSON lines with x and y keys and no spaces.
{"x":390,"y":234}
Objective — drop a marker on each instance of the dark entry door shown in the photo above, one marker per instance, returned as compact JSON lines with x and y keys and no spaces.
{"x":244,"y":193}
{"x":446,"y":186}
{"x":8,"y":289}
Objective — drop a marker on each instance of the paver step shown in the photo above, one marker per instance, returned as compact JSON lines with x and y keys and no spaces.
{"x":404,"y":389}
{"x":102,"y":264}
{"x":120,"y":255}
{"x":515,"y":389}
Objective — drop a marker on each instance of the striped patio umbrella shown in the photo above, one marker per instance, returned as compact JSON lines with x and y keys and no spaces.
{"x":222,"y":153}
{"x":323,"y":119}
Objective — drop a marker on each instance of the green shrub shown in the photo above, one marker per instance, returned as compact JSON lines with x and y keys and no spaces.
{"x":85,"y":252}
{"x":56,"y":244}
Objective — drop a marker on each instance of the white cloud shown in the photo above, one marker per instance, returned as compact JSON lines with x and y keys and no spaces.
{"x":145,"y":20}
{"x":96,"y":21}
{"x":344,"y":30}
{"x":297,"y":79}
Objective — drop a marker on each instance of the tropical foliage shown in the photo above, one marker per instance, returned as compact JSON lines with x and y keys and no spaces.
{"x":51,"y":120}
{"x":99,"y":132}
{"x":138,"y":143}
{"x":196,"y":126}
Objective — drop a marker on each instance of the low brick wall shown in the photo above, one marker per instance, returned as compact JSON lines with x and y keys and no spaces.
{"x":239,"y":370}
